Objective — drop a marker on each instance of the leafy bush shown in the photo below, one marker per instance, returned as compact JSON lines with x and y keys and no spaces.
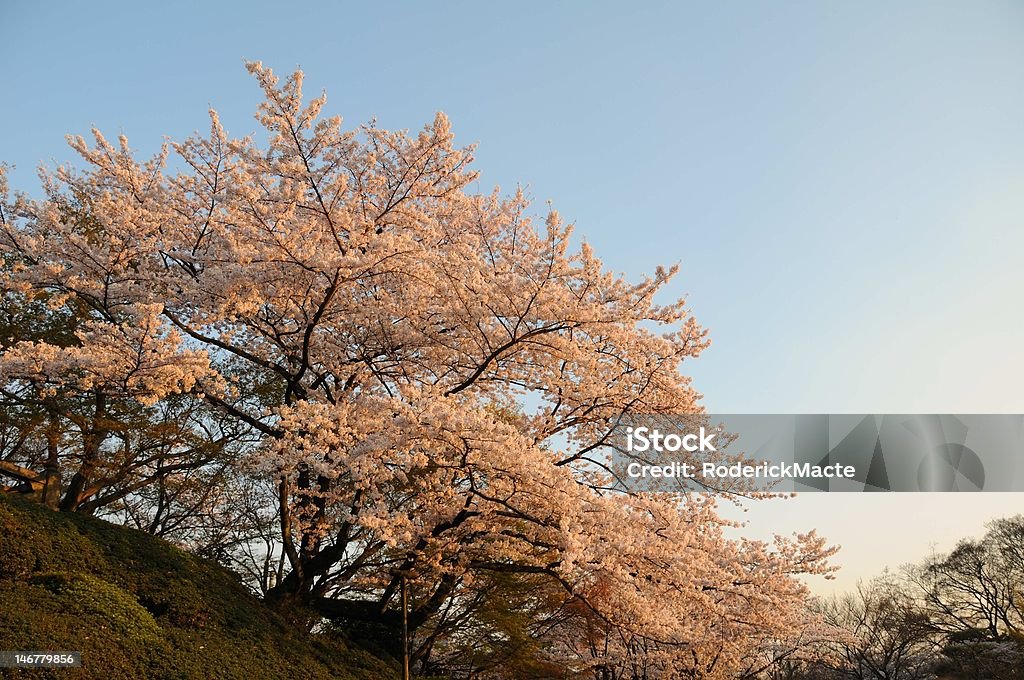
{"x":137,"y":607}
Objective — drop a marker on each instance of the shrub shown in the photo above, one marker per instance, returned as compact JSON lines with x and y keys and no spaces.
{"x":138,"y":607}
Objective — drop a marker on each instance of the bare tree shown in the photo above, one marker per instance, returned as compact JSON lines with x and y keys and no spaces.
{"x":890,"y":636}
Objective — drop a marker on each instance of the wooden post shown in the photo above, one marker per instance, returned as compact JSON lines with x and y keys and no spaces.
{"x":405,"y":632}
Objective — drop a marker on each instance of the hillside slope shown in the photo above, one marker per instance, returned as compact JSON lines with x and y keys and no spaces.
{"x":137,"y":607}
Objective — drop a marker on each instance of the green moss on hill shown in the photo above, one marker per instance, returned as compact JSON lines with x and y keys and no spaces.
{"x":137,"y":607}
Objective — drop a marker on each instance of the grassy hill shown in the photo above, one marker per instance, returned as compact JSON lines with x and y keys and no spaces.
{"x":137,"y":607}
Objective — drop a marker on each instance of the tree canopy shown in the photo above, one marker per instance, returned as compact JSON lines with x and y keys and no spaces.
{"x":426,"y":377}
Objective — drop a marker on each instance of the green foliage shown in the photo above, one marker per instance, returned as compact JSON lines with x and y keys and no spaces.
{"x":31,"y":543}
{"x":137,"y":607}
{"x":88,"y":596}
{"x":501,"y":631}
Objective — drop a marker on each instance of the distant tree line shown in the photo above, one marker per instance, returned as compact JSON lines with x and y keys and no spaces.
{"x":958,"y":615}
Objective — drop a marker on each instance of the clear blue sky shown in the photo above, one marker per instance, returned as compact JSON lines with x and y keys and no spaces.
{"x":843,"y":183}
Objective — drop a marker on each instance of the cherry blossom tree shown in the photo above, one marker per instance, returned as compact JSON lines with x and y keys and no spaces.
{"x":429,"y":378}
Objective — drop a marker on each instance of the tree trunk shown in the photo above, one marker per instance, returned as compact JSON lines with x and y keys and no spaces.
{"x":51,"y":473}
{"x":93,"y":438}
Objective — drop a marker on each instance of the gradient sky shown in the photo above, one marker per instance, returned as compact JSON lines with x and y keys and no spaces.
{"x":843,"y":184}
